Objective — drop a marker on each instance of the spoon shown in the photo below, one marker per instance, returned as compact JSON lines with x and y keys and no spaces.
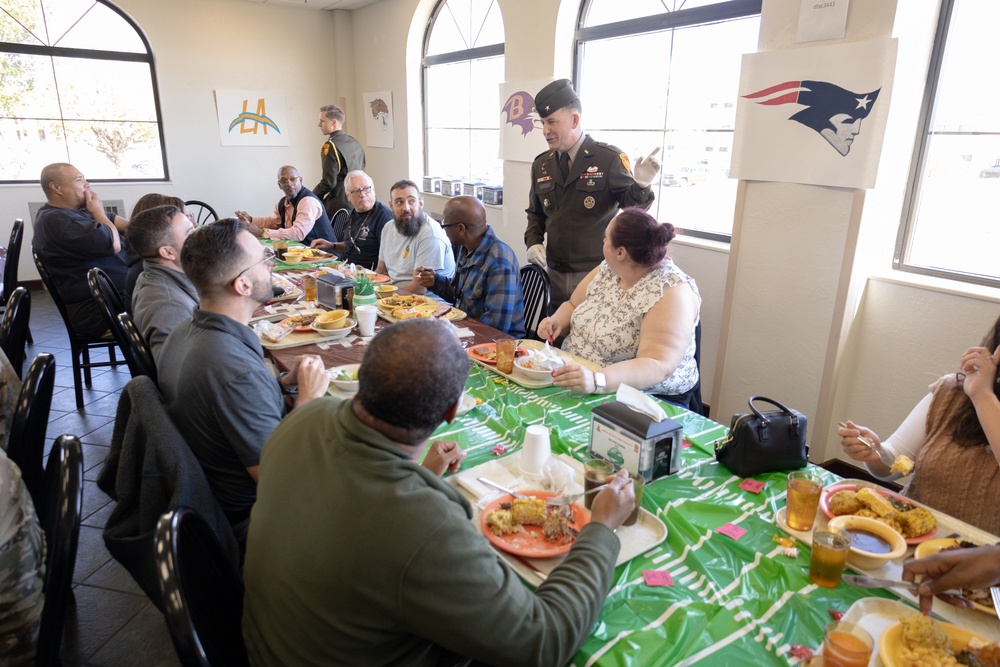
{"x":562,"y":501}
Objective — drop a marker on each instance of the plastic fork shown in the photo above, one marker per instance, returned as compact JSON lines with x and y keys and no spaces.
{"x":562,"y":501}
{"x":995,"y":594}
{"x":885,"y":457}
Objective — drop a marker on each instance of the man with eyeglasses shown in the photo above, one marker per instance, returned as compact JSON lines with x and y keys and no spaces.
{"x":298,"y":216}
{"x":486,"y":284}
{"x":163,"y":296}
{"x":363,"y":235}
{"x":341,"y":154}
{"x":413,"y":242}
{"x":211,"y":372}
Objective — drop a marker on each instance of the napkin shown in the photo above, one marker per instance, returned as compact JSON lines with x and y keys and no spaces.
{"x":640,"y":402}
{"x":491,"y":470}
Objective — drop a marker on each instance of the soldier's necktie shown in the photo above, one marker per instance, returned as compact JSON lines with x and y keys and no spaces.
{"x":564,"y":165}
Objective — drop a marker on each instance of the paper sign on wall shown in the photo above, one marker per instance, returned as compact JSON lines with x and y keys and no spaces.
{"x":822,"y":19}
{"x":251,"y":118}
{"x":379,"y":122}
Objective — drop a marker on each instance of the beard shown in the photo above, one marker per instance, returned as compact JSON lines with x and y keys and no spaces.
{"x":262,"y":292}
{"x":409,"y":228}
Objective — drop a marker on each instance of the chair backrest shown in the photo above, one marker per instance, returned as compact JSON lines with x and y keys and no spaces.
{"x":53,"y":291}
{"x":138,"y":355}
{"x":202,"y":592}
{"x":341,"y":219}
{"x":60,"y":516}
{"x":26,"y":443}
{"x":110,"y":301}
{"x":13,"y":259}
{"x":535,"y":291}
{"x":14,"y":328}
{"x":201,"y":212}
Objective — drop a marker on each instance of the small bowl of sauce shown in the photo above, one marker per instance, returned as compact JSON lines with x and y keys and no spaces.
{"x":873,"y":543}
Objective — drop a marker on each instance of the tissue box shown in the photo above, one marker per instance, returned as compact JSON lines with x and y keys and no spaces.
{"x":493,"y":194}
{"x":633,"y":441}
{"x":432,"y":184}
{"x":451,"y":188}
{"x":473,"y":189}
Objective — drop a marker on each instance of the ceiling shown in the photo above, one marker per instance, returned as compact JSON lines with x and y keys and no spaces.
{"x":318,"y":4}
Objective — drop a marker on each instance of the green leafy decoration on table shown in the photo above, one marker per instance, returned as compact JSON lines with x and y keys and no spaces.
{"x":363,"y":285}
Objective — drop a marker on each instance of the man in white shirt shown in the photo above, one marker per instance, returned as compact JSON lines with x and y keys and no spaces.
{"x":414,"y":242}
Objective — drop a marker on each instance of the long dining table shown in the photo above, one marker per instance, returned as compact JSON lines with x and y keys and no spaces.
{"x":719,"y":589}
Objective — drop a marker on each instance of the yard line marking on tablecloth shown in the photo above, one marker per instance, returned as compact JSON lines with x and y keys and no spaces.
{"x":726,"y":641}
{"x":686,"y":578}
{"x":735,"y":582}
{"x":655,"y":623}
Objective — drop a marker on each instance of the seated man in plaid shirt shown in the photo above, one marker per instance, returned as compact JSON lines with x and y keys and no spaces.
{"x":486,"y":284}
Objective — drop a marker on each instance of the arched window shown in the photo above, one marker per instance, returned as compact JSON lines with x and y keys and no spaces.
{"x":463,"y":66}
{"x":77,"y":84}
{"x":665,"y":73}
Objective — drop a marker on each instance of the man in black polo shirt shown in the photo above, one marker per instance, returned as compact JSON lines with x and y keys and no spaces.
{"x":298,"y":216}
{"x":363,"y":235}
{"x":72,"y":235}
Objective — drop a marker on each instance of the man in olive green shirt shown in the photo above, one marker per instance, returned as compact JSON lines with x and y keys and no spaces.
{"x":360,"y":555}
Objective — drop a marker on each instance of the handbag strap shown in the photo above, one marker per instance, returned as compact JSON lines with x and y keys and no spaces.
{"x":793,"y":424}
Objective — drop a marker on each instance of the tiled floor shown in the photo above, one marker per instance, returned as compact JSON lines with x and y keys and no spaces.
{"x":113,"y":623}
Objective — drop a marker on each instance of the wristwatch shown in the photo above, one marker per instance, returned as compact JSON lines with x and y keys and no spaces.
{"x":600,"y":382}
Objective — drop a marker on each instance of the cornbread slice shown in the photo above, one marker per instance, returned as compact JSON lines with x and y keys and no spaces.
{"x":845,"y":502}
{"x":875,"y":502}
{"x":903,"y":465}
{"x":528,"y":511}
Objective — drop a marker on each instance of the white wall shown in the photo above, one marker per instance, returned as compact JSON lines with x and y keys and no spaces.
{"x":203,"y":45}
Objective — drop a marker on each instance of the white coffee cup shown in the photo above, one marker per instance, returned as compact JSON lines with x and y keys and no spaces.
{"x":536,"y":450}
{"x":366,"y":319}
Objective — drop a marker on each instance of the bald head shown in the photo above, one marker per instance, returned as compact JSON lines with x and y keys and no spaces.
{"x":465,"y":221}
{"x":64,"y":185}
{"x":403,"y":385}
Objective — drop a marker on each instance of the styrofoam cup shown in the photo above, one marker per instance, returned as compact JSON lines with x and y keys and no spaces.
{"x":536,"y":450}
{"x":366,"y":319}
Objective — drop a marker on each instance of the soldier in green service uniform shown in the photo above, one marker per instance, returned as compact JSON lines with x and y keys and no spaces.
{"x":577,"y":186}
{"x":341,"y":154}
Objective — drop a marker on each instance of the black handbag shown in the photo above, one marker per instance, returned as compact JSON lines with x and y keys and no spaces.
{"x":761,"y":442}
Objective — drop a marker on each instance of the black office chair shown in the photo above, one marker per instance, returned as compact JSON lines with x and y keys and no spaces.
{"x":14,"y":328}
{"x":59,"y":514}
{"x":340,"y":221}
{"x":201,"y":212}
{"x":535,"y":291}
{"x":26,"y":442}
{"x":137,"y":354}
{"x":11,"y":265}
{"x":80,"y":346}
{"x":202,"y":592}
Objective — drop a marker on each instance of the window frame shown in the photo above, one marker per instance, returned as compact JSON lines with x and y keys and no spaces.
{"x":99,"y":54}
{"x":918,"y":162}
{"x":426,"y":61}
{"x":681,"y":18}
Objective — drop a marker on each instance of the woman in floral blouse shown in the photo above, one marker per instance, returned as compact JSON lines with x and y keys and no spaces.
{"x":634,"y":315}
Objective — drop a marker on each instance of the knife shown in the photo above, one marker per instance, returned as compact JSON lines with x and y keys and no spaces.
{"x":501,"y":487}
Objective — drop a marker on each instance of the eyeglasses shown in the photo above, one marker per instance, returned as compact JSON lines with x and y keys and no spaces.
{"x":288,"y":181}
{"x":360,"y":191}
{"x":452,"y":224}
{"x":268,"y":259}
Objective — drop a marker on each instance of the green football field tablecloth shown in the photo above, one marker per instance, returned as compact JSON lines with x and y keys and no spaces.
{"x":733,"y":602}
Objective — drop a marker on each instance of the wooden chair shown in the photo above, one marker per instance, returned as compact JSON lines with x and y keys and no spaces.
{"x":14,"y":328}
{"x":59,"y":513}
{"x":26,"y":442}
{"x":202,"y":213}
{"x":202,"y":592}
{"x":535,"y":291}
{"x":80,"y":346}
{"x":11,"y":265}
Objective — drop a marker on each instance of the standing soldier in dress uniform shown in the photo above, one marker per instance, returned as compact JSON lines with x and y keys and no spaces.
{"x":340,"y":154}
{"x":577,"y":186}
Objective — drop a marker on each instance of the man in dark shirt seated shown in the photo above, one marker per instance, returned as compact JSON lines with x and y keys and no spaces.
{"x":364,"y":229}
{"x":211,"y":371}
{"x":361,"y":555}
{"x":72,"y":235}
{"x":163,"y":295}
